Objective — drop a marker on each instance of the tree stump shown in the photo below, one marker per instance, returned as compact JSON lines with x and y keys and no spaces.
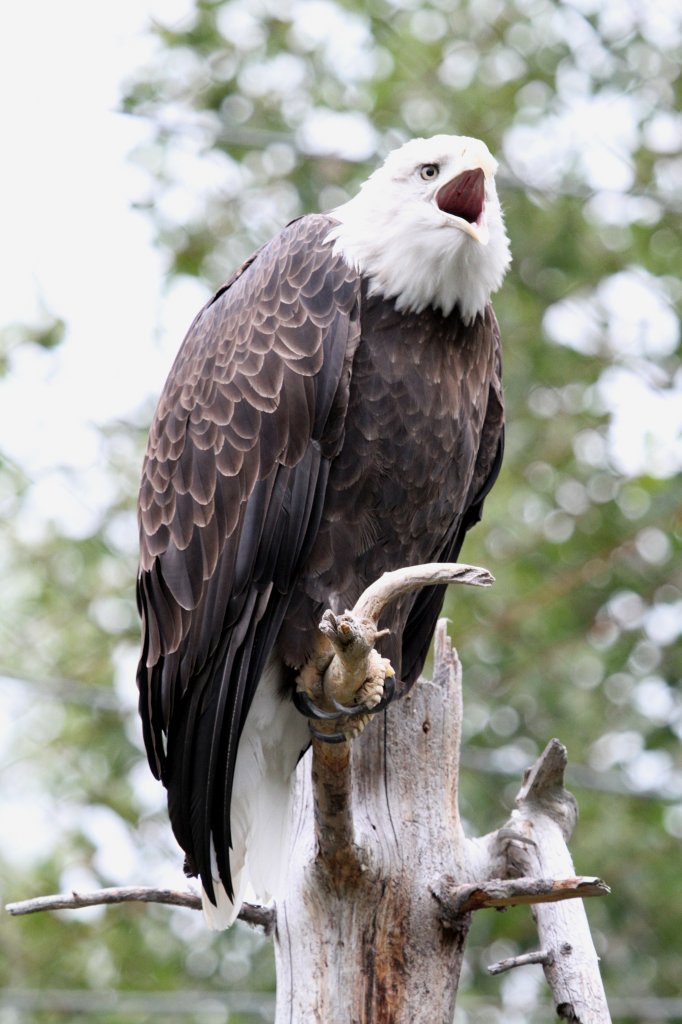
{"x":383,"y":880}
{"x":359,"y":937}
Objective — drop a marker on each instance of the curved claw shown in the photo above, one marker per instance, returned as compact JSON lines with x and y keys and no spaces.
{"x":350,"y":710}
{"x":327,"y":737}
{"x":304,"y":704}
{"x":353,"y":710}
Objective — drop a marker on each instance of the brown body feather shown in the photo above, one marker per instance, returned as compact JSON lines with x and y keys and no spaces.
{"x":308,"y":438}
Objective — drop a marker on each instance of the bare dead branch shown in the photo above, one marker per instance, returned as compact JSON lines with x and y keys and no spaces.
{"x":334,"y":828}
{"x":352,"y":657}
{"x":456,"y":900}
{"x":257,"y":916}
{"x":543,"y":788}
{"x":540,"y":956}
{"x":382,"y":930}
{"x":345,"y":674}
{"x":545,"y":817}
{"x":391,"y":585}
{"x":447,"y":674}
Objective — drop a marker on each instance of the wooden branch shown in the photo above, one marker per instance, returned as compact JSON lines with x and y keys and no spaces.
{"x":456,"y":900}
{"x":333,"y":803}
{"x":369,"y":947}
{"x":347,"y":656}
{"x":352,"y":636}
{"x":353,"y":659}
{"x":257,"y":916}
{"x":540,"y":956}
{"x":535,"y":841}
{"x":391,"y":585}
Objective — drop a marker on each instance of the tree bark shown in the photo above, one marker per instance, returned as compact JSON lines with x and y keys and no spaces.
{"x":359,"y":938}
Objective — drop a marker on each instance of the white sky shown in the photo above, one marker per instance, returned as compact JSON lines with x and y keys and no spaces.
{"x":70,"y":240}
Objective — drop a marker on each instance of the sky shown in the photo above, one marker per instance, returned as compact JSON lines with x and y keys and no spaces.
{"x":72,"y":244}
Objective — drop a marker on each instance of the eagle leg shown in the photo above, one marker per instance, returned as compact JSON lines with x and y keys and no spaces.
{"x":328,"y":737}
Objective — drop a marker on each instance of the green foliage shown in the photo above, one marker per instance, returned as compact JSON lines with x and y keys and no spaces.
{"x":260,"y":112}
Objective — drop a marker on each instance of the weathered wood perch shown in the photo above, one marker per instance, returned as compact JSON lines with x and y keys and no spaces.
{"x":256,"y":916}
{"x":383,"y":881}
{"x":545,"y":818}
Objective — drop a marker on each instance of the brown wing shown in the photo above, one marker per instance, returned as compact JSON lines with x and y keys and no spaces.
{"x":232,"y":490}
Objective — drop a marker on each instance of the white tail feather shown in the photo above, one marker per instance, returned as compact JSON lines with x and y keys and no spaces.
{"x":260,"y":816}
{"x":224,"y":912}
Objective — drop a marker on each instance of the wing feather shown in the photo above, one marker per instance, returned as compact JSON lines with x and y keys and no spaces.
{"x":232,"y":492}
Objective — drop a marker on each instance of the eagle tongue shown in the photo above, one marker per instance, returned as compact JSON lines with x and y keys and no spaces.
{"x":464,"y":196}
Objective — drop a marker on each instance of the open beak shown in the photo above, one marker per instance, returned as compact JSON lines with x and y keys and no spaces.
{"x":464,"y":198}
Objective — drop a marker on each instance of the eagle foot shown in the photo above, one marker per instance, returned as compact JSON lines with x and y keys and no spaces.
{"x":303,"y":702}
{"x":375,"y":694}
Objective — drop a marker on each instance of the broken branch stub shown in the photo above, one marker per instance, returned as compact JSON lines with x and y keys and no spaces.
{"x":394,"y":584}
{"x":353,"y":635}
{"x":545,"y":817}
{"x":456,"y":900}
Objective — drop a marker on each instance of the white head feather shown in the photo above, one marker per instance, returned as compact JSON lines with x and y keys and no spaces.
{"x":394,"y":232}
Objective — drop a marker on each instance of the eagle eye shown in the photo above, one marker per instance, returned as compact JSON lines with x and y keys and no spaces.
{"x":429,"y":171}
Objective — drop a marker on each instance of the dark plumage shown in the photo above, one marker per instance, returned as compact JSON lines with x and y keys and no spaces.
{"x":308,"y":438}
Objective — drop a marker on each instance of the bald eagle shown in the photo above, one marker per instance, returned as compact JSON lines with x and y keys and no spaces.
{"x":335,"y":411}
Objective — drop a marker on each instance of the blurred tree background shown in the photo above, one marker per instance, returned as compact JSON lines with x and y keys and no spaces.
{"x":261,"y":110}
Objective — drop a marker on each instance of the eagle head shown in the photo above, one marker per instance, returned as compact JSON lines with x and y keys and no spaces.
{"x":426,"y":228}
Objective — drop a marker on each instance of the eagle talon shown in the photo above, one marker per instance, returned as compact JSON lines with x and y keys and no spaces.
{"x":353,"y":710}
{"x":304,"y":704}
{"x":350,"y":710}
